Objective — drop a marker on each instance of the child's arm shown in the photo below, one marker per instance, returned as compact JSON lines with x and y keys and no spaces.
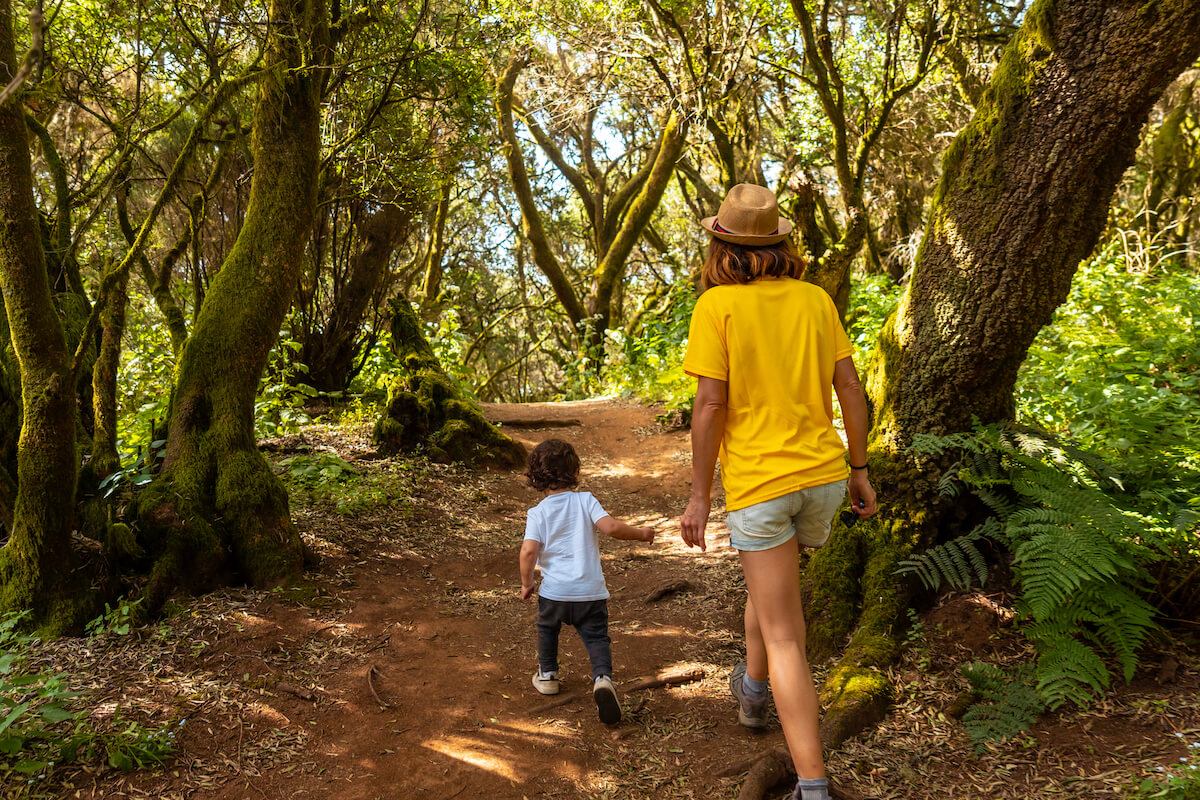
{"x":529,"y":553}
{"x":619,"y":530}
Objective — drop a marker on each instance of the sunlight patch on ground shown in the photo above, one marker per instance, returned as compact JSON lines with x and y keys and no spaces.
{"x":614,"y":470}
{"x":492,"y":757}
{"x":470,"y":753}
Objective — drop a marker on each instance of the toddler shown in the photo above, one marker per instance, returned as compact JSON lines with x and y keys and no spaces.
{"x":560,"y":539}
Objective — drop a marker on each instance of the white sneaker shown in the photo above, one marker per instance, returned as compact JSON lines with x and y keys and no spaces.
{"x":607,"y":703}
{"x":546,"y":684}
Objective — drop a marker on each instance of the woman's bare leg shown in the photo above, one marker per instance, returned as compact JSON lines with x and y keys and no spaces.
{"x":773,"y":582}
{"x":756,"y":651}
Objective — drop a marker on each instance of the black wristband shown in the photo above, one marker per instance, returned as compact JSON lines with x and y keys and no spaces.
{"x":864,"y":466}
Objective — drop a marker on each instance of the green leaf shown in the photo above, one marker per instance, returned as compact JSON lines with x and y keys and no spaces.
{"x":13,"y":717}
{"x":53,"y":713}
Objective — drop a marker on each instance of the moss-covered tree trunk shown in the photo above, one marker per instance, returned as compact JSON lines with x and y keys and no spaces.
{"x":217,"y":512}
{"x":10,"y":424}
{"x":36,"y":561}
{"x":427,"y":410}
{"x":113,"y":299}
{"x":1023,"y":198}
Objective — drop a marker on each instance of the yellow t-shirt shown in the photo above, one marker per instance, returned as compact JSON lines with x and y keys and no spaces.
{"x":775,"y":342}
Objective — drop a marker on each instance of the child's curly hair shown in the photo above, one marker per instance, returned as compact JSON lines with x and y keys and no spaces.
{"x":553,"y":464}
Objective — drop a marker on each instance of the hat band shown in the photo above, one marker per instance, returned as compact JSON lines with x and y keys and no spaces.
{"x":717,"y":227}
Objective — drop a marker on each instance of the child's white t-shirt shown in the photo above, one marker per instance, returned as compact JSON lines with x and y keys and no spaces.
{"x":564,"y":524}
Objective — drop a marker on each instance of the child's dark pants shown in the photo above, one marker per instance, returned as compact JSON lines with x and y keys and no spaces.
{"x":590,"y":619}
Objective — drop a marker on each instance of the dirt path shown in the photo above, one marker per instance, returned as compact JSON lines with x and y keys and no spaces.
{"x":403,"y":669}
{"x":457,"y":646}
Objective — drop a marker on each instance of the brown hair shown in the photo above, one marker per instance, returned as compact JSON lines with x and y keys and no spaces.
{"x":553,"y":464}
{"x":739,"y":263}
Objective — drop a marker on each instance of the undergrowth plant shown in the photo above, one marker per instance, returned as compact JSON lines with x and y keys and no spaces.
{"x":33,"y":704}
{"x":325,"y":479}
{"x":649,"y":365}
{"x":1118,"y":371}
{"x":1080,"y":554}
{"x":39,"y":728}
{"x":1178,"y":782}
{"x":1008,"y":705}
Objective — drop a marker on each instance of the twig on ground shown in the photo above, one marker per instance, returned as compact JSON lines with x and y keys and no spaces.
{"x":382,"y":643}
{"x":298,"y":691}
{"x":666,"y":679}
{"x":371,"y":685}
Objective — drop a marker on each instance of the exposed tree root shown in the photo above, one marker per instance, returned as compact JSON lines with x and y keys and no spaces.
{"x":667,"y":589}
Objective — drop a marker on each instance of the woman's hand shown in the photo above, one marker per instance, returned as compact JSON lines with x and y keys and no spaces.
{"x":693,"y":523}
{"x":862,"y":494}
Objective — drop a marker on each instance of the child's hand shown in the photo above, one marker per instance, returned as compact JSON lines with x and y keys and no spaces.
{"x":526,"y":591}
{"x":647,"y":534}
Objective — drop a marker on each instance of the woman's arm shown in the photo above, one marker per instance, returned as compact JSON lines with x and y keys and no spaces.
{"x":708,"y":426}
{"x":853,"y":402}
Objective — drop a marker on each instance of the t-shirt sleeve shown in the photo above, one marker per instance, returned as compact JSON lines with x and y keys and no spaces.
{"x":593,"y":508}
{"x":707,"y":354}
{"x":533,"y":527}
{"x":841,"y":342}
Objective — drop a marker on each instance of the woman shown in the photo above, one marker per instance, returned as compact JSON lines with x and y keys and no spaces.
{"x":766,"y":348}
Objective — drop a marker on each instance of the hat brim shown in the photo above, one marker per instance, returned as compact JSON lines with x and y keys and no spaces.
{"x":785,"y":227}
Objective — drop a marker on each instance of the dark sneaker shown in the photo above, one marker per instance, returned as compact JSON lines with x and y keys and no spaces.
{"x":607,"y":703}
{"x":546,"y":683}
{"x":752,"y":712}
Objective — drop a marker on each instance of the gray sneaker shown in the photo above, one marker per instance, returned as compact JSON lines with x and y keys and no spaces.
{"x":752,"y":712}
{"x":605,"y":695}
{"x":546,"y":683}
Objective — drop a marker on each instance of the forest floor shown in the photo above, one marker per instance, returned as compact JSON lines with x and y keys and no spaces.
{"x":401,"y":667}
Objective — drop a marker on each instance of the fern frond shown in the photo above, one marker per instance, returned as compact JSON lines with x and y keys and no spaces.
{"x":954,"y":562}
{"x":1009,"y":704}
{"x":1069,"y":672}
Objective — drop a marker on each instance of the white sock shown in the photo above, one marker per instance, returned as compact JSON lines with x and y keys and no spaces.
{"x":812,"y":789}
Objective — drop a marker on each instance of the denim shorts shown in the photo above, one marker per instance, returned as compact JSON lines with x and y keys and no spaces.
{"x":806,"y":514}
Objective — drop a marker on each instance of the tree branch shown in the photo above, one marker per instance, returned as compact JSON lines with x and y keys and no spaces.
{"x":37,"y":33}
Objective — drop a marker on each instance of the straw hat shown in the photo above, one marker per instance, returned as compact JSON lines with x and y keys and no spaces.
{"x":749,"y":215}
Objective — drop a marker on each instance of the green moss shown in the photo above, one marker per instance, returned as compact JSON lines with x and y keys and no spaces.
{"x":833,"y":588}
{"x":973,"y":159}
{"x":120,"y":542}
{"x":426,"y":408}
{"x":251,"y":500}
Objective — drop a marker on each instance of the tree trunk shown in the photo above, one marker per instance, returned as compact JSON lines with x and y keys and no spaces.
{"x":431,"y":285}
{"x":10,"y":425}
{"x":330,"y":351}
{"x":36,"y":562}
{"x":426,"y":409}
{"x":217,"y":512}
{"x":112,"y":300}
{"x":1023,"y":198}
{"x":618,"y":217}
